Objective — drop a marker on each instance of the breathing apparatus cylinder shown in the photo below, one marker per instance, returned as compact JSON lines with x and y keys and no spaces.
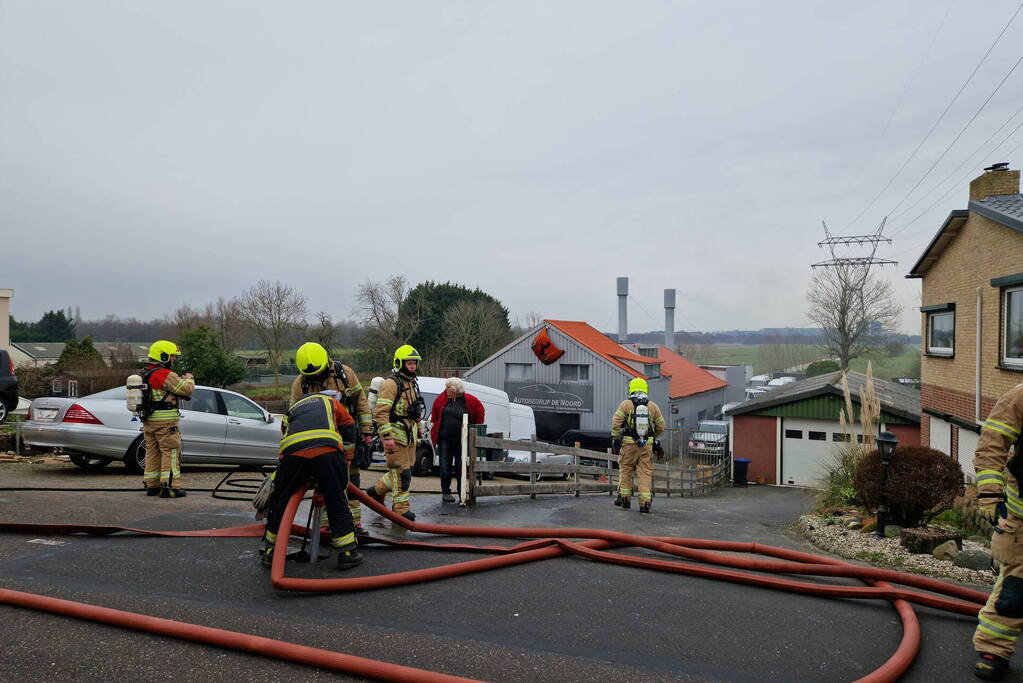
{"x":641,"y":416}
{"x":135,"y":387}
{"x":374,"y":389}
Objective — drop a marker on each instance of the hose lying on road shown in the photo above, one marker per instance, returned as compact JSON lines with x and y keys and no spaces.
{"x":592,"y":544}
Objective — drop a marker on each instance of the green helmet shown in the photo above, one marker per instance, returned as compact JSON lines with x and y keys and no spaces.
{"x":638,"y":384}
{"x":311,"y":359}
{"x":404,"y":353}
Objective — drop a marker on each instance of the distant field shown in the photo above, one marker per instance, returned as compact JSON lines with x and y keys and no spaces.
{"x":772,"y":357}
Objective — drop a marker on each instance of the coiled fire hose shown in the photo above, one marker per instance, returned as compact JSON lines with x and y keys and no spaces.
{"x":592,"y":544}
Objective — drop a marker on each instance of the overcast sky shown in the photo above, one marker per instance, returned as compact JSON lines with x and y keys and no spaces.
{"x":154,"y":154}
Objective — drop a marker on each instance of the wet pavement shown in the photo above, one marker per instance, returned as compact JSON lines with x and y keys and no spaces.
{"x":565,"y":619}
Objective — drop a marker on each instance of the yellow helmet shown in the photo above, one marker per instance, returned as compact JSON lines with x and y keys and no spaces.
{"x":311,"y":359}
{"x":163,"y":350}
{"x":404,"y":353}
{"x":638,"y":384}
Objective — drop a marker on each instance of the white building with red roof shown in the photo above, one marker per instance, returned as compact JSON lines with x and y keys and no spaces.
{"x":574,"y":376}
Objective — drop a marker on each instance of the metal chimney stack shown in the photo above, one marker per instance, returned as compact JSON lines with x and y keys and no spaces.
{"x":669,"y":319}
{"x":623,"y":295}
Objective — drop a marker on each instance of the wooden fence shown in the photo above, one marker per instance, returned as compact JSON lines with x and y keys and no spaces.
{"x":577,"y":478}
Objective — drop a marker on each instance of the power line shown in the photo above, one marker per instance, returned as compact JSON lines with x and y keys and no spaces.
{"x":963,"y":163}
{"x":958,"y":182}
{"x":898,"y":106}
{"x":941,"y":117}
{"x":959,"y":135}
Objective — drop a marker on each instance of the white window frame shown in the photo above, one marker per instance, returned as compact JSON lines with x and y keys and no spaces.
{"x":531,"y":373}
{"x":941,"y":350}
{"x":579,"y":369}
{"x":1006,"y":360}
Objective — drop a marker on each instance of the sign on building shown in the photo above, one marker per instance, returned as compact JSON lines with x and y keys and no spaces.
{"x":555,"y":398}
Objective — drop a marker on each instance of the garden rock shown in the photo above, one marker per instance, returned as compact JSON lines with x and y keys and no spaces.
{"x":892,"y":531}
{"x":946,"y":551}
{"x":973,"y":559}
{"x":923,"y":540}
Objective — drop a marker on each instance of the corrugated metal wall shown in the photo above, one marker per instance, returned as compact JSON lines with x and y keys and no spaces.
{"x":824,"y":407}
{"x":689,"y":408}
{"x":610,"y":383}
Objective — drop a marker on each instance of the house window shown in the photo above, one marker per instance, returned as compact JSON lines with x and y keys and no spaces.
{"x":702,"y":414}
{"x":793,"y":433}
{"x":941,"y":327}
{"x":717,"y":409}
{"x":840,"y":437}
{"x":574,"y":373}
{"x":817,"y":436}
{"x":518,"y":372}
{"x":680,"y":423}
{"x":651,"y":370}
{"x":1012,"y":348}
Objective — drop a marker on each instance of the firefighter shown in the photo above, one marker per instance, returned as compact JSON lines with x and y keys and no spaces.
{"x":319,"y":372}
{"x":998,"y":494}
{"x":164,"y":390}
{"x":319,"y":439}
{"x":635,"y":425}
{"x":398,"y":410}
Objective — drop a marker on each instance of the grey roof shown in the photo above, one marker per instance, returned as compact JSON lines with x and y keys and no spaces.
{"x":895,"y":398}
{"x":39,"y":350}
{"x":1006,"y":209}
{"x":946,"y":233}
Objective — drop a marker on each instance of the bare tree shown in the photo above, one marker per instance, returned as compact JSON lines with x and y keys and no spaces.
{"x":272,"y":310}
{"x":184,"y":318}
{"x":473,"y":330}
{"x":224,"y":318}
{"x":381,"y":308}
{"x":853,"y":309}
{"x":325,"y":332}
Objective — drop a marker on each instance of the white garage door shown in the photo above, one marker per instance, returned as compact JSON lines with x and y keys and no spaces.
{"x":967,"y":447}
{"x":807,"y":448}
{"x":941,"y":435}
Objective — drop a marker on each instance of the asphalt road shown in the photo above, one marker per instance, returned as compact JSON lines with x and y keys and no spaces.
{"x":565,"y":619}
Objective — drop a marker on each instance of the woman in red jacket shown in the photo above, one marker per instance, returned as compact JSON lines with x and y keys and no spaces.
{"x":446,"y":430}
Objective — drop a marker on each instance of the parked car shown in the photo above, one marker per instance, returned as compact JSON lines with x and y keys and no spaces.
{"x":547,"y":458}
{"x":709,"y":438}
{"x":217,"y":426}
{"x":780,"y":382}
{"x":590,"y":439}
{"x":752,"y":393}
{"x":8,"y":386}
{"x":758,"y":381}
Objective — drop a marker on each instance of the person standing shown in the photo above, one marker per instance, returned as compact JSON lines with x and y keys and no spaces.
{"x":161,"y":419}
{"x":446,"y":430}
{"x":319,"y":438}
{"x":998,"y":494}
{"x":635,"y":425}
{"x":398,"y":410}
{"x":319,"y":372}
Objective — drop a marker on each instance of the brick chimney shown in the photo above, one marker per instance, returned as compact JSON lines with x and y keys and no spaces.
{"x":997,"y":179}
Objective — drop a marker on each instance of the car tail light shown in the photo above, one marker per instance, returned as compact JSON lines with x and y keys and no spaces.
{"x":10,"y":366}
{"x":77,"y":413}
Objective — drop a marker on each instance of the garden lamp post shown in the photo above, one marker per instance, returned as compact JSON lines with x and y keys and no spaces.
{"x":886,"y":443}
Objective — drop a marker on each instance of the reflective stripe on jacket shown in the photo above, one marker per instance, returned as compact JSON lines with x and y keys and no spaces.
{"x":313,"y":423}
{"x":166,"y":387}
{"x":623,"y":423}
{"x":998,"y":433}
{"x":355,"y":395}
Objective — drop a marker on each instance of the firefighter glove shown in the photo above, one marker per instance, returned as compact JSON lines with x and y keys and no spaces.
{"x":992,"y":507}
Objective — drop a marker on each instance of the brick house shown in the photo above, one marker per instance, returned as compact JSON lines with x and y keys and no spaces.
{"x":972,"y":314}
{"x":790,"y":434}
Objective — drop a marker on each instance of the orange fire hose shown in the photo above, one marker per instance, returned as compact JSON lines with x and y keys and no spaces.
{"x":548,"y":543}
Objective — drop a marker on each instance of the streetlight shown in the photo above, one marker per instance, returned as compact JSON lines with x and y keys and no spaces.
{"x":886,"y":443}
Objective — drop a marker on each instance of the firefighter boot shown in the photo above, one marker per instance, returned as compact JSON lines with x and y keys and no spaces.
{"x":990,"y":667}
{"x":644,"y":506}
{"x":349,"y":557}
{"x":168,"y":492}
{"x":624,"y":502}
{"x":409,"y":515}
{"x":266,"y":549}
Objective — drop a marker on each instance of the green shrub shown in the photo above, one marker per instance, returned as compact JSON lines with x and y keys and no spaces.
{"x":922,"y":482}
{"x":822,"y":367}
{"x":837,"y":488}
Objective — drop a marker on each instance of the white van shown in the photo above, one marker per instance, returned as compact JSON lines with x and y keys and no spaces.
{"x":780,"y":382}
{"x":758,"y":381}
{"x":498,"y":418}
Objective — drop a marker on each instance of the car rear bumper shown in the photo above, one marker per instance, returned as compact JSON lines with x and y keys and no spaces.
{"x":95,"y":440}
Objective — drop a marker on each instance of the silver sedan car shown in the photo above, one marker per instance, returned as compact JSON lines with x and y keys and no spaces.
{"x":217,"y":426}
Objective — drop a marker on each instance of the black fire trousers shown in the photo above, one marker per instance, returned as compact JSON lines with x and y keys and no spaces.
{"x":450,"y":455}
{"x":330,"y":473}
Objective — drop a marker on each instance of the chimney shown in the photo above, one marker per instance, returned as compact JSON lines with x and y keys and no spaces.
{"x":997,"y":179}
{"x":669,"y":319}
{"x":623,"y":323}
